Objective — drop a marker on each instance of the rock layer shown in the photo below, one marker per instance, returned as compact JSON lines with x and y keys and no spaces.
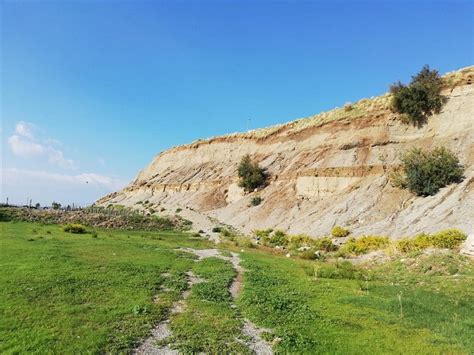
{"x":332,"y":168}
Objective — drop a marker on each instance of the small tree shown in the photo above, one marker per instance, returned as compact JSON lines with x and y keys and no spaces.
{"x":421,"y":98}
{"x":250,"y":174}
{"x":56,"y":205}
{"x":425,"y":172}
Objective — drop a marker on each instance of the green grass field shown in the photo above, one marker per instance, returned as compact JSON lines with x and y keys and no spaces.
{"x":74,"y":293}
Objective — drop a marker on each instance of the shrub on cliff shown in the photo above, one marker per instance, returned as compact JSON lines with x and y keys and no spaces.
{"x":339,"y":232}
{"x":425,"y":172}
{"x":419,"y":99}
{"x":250,"y":174}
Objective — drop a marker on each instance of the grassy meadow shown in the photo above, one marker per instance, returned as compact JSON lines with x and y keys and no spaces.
{"x":94,"y":293}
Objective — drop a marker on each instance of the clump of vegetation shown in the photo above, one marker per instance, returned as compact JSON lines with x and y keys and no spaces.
{"x":364,"y":244}
{"x":448,"y":239}
{"x":255,"y":201}
{"x":178,"y":210}
{"x":216,"y":229}
{"x":340,"y":270}
{"x":425,"y":172}
{"x":419,"y":99}
{"x":250,"y":174}
{"x":74,"y":228}
{"x":339,"y":232}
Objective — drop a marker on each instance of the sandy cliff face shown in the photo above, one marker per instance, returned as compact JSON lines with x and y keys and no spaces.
{"x":327,"y":169}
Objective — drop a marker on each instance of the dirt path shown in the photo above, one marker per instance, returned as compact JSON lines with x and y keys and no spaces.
{"x":162,"y":330}
{"x":256,"y":343}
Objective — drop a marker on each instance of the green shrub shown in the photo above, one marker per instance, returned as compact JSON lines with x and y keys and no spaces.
{"x":425,"y":172}
{"x":340,"y":270}
{"x":178,"y":210}
{"x":420,"y":99}
{"x":300,"y":240}
{"x":278,"y":238}
{"x":217,"y":229}
{"x":308,"y":255}
{"x":255,"y":201}
{"x":339,"y":232}
{"x":324,"y":244}
{"x":447,"y":239}
{"x":74,"y":228}
{"x":250,"y":174}
{"x":5,"y":215}
{"x":365,"y":244}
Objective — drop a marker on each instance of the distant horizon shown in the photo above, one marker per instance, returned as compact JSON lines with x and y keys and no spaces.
{"x":89,"y":100}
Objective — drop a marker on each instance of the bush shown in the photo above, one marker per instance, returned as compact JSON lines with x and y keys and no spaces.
{"x":255,"y":201}
{"x":278,"y":238}
{"x":365,"y":244}
{"x":325,"y":244}
{"x":250,"y":174}
{"x":420,"y":99}
{"x":339,"y":232}
{"x":425,"y":172}
{"x":74,"y":228}
{"x":217,"y":229}
{"x":447,"y":239}
{"x":341,"y":270}
{"x":5,"y":216}
{"x":308,"y":255}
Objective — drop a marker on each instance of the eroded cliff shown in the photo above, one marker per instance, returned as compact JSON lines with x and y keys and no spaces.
{"x":332,"y":168}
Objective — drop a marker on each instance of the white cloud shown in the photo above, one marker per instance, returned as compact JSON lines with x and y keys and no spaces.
{"x":57,"y":157}
{"x":25,"y":148}
{"x":24,"y":143}
{"x":25,"y":129}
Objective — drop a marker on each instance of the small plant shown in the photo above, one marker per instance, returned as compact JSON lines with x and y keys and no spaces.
{"x":255,"y":201}
{"x":250,"y":174}
{"x":94,"y":235}
{"x":365,"y":244}
{"x":339,"y":232}
{"x":425,"y":172}
{"x":325,"y":244}
{"x":178,"y":210}
{"x":216,"y":229}
{"x":137,"y":310}
{"x":309,"y":255}
{"x":74,"y":228}
{"x":420,"y":99}
{"x":279,"y":238}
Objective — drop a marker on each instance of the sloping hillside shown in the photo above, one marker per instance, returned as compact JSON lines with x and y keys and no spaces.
{"x":331,"y":168}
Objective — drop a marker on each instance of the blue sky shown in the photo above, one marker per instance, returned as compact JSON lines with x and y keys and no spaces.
{"x":93,"y":90}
